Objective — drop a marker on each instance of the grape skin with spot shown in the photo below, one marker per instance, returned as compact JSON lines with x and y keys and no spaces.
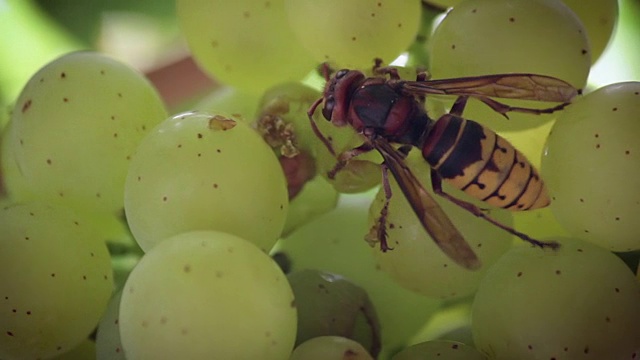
{"x":212,"y":295}
{"x":578,"y":300}
{"x":55,"y":280}
{"x":593,"y":177}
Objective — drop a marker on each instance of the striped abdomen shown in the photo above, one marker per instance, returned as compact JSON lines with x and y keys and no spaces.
{"x":484,"y":165}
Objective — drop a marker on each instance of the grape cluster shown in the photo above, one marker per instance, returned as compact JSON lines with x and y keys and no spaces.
{"x":234,"y":231}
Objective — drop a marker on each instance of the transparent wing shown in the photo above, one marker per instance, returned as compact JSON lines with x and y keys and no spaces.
{"x":433,"y":218}
{"x":511,"y":86}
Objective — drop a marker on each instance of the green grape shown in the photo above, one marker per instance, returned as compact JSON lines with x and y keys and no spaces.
{"x":211,"y":295}
{"x":245,"y":44}
{"x":330,"y":348}
{"x":334,"y":242}
{"x":108,"y":345}
{"x":75,"y":127}
{"x":230,"y":100}
{"x":440,"y":349}
{"x":577,"y":302}
{"x":85,"y":351}
{"x":591,"y":167}
{"x":415,"y":254}
{"x":482,"y":37}
{"x":443,"y":3}
{"x":372,"y":29}
{"x":197,"y":171}
{"x":55,"y":280}
{"x":599,"y":18}
{"x":317,"y":197}
{"x":452,"y":322}
{"x":331,"y":305}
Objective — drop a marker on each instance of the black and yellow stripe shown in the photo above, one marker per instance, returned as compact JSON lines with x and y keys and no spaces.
{"x":480,"y":162}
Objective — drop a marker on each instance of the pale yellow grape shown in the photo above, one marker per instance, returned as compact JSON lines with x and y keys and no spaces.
{"x":579,"y":301}
{"x":76,"y":126}
{"x":483,"y":37}
{"x":599,"y":18}
{"x":592,"y":167}
{"x":189,"y":174}
{"x":441,"y":350}
{"x":330,"y":348}
{"x":245,"y":44}
{"x":415,"y":261}
{"x":352,"y":33}
{"x":316,"y":198}
{"x":55,"y":280}
{"x":85,"y":351}
{"x":207,"y":295}
{"x":108,"y":344}
{"x":334,"y":242}
{"x":229,"y":100}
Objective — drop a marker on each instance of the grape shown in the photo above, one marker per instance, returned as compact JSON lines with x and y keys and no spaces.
{"x":108,"y":344}
{"x":599,"y":18}
{"x":55,"y":280}
{"x":334,"y":242}
{"x":330,"y":348}
{"x":246,"y":44}
{"x":317,"y":197}
{"x":579,"y":301}
{"x":75,"y":127}
{"x":213,"y":296}
{"x":452,"y":322}
{"x":591,"y":167}
{"x":441,"y":349}
{"x":85,"y":351}
{"x":229,"y":100}
{"x":188,"y":174}
{"x":372,"y":29}
{"x":329,"y":304}
{"x":480,"y":37}
{"x":413,"y":252}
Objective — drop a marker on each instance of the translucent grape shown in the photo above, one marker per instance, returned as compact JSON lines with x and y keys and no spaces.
{"x":599,"y":18}
{"x":372,"y":29}
{"x":578,"y":301}
{"x":55,"y":280}
{"x":85,"y":351}
{"x":212,"y":295}
{"x":482,"y":37}
{"x":415,"y":254}
{"x":440,"y":349}
{"x":108,"y":344}
{"x":75,"y":127}
{"x":245,"y":44}
{"x":592,"y":168}
{"x":228,"y":100}
{"x":452,"y":322}
{"x":334,"y":242}
{"x":317,"y":197}
{"x":330,"y":348}
{"x":198,"y":171}
{"x":331,"y":305}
